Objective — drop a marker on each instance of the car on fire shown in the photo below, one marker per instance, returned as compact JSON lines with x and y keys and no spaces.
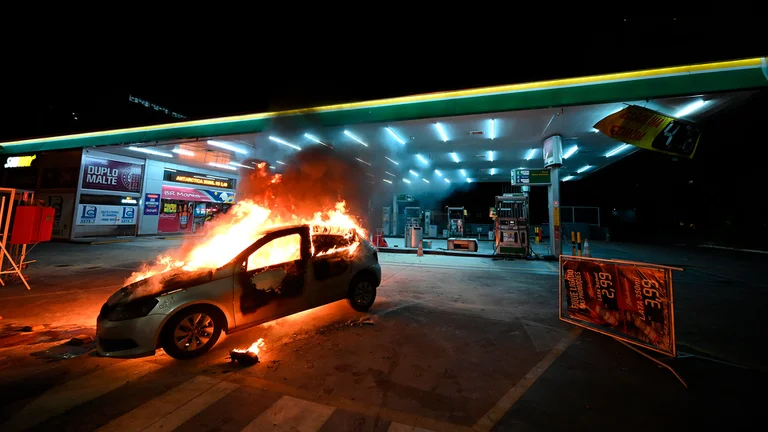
{"x":185,"y":312}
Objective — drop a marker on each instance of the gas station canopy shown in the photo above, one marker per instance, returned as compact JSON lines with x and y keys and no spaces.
{"x":441,"y":138}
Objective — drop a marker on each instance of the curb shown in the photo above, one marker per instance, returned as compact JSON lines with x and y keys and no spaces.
{"x":435,"y":252}
{"x":735,"y":249}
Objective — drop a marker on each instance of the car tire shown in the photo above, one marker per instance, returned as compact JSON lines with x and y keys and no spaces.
{"x":362,"y":293}
{"x":202,"y":325}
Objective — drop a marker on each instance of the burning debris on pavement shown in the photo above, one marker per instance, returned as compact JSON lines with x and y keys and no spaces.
{"x":247,"y":357}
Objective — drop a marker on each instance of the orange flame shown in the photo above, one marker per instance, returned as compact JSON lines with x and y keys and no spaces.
{"x":254,"y":348}
{"x":244,"y":224}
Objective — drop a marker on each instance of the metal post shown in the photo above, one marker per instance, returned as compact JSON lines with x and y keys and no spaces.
{"x":555,"y":244}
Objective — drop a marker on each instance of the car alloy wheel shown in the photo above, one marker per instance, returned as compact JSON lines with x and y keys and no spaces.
{"x":193,"y":332}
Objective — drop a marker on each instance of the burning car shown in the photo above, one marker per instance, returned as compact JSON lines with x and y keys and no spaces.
{"x":287,"y":269}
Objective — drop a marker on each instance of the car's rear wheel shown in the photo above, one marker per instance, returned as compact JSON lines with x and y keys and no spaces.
{"x":192,"y":332}
{"x":362,"y":293}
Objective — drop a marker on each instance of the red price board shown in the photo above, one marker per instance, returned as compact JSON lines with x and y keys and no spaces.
{"x":627,"y":300}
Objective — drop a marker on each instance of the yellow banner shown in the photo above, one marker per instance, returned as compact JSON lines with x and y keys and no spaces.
{"x":651,"y":130}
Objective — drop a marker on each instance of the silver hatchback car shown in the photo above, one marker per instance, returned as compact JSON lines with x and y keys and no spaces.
{"x":185,"y":312}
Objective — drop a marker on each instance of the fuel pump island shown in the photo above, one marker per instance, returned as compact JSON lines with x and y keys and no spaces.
{"x":511,"y":210}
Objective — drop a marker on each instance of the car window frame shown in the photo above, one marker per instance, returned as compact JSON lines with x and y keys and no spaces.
{"x":305,"y":246}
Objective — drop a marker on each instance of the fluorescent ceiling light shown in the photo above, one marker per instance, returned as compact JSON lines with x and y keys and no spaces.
{"x":493,"y":129}
{"x":584,"y":168}
{"x":315,"y":139}
{"x":595,"y":130}
{"x":349,"y":134}
{"x":438,"y":173}
{"x":413,"y":173}
{"x":222,"y":166}
{"x":272,"y":167}
{"x":183,"y":152}
{"x":422,"y":159}
{"x":570,"y":152}
{"x":391,"y":160}
{"x":455,"y":157}
{"x":531,"y":154}
{"x":446,"y":180}
{"x":490,"y":156}
{"x":690,"y":108}
{"x":493,"y":171}
{"x":441,"y":131}
{"x":388,"y":181}
{"x":150,"y":151}
{"x":283,"y":142}
{"x":469,"y":180}
{"x":281,"y":162}
{"x":406,"y":180}
{"x":362,"y":161}
{"x":568,"y":178}
{"x":425,"y":180}
{"x":394,"y":135}
{"x":464,"y":173}
{"x":389,"y":173}
{"x":226,"y":146}
{"x":617,"y":150}
{"x":241,"y":166}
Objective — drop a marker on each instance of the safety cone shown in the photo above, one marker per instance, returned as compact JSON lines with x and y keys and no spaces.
{"x":420,"y":251}
{"x":587,"y":250}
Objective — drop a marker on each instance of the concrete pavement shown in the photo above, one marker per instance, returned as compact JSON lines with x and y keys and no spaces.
{"x":456,"y":344}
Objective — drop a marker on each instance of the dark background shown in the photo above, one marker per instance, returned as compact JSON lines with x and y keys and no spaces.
{"x":65,"y":78}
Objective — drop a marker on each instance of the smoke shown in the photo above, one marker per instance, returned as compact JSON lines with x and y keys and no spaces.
{"x":313,"y":180}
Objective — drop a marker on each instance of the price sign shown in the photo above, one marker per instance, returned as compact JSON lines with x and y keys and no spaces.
{"x":629,"y":301}
{"x":531,"y":177}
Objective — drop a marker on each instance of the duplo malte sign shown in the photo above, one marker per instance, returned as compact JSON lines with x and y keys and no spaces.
{"x":105,"y":174}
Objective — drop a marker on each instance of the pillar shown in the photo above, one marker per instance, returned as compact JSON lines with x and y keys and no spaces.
{"x":555,"y":243}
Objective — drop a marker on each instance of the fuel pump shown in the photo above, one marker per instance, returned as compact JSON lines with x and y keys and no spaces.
{"x":455,"y":221}
{"x":511,"y":225}
{"x":412,"y":222}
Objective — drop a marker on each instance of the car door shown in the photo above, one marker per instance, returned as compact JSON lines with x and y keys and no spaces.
{"x":270,"y":278}
{"x":329,"y":270}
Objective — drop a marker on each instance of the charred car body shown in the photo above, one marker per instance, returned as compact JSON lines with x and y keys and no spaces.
{"x":185,"y":312}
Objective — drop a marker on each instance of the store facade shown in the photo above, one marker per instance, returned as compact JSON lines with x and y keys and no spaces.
{"x":99,"y":194}
{"x":182,"y":199}
{"x":108,"y":196}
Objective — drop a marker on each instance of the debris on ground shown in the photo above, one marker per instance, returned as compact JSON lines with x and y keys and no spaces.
{"x":361,"y":321}
{"x":245,"y":358}
{"x":32,"y":328}
{"x":82,"y":339}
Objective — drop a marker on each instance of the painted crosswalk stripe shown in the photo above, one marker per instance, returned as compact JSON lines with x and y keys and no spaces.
{"x":399,"y":427}
{"x":291,"y":414}
{"x":172,"y":407}
{"x":188,"y":410}
{"x":75,"y":392}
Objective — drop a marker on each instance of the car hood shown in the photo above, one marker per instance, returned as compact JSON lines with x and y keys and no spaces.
{"x":162,"y":283}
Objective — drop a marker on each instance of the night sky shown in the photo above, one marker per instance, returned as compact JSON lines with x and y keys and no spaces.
{"x":64,"y":86}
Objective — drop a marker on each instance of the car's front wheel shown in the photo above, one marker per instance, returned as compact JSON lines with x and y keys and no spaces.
{"x":191,"y":332}
{"x":362,"y":293}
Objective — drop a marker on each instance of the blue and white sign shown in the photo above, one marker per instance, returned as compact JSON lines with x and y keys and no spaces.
{"x":152,"y":204}
{"x":91,"y":214}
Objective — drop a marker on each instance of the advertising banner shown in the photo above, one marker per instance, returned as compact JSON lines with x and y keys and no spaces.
{"x":151,"y":204}
{"x":105,"y":174}
{"x":199,"y":195}
{"x":629,"y":301}
{"x":94,"y":214}
{"x":651,"y":130}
